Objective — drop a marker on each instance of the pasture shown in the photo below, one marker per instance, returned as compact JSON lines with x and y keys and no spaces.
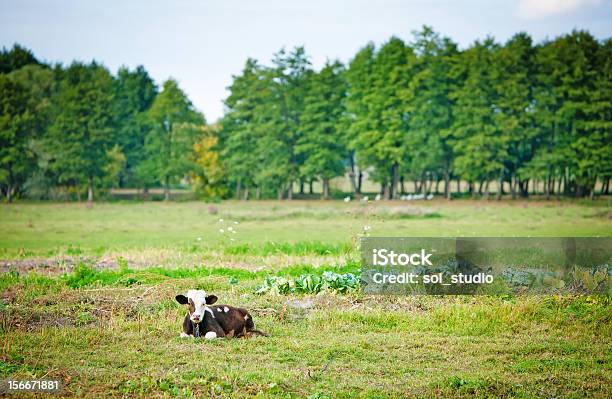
{"x":88,"y":297}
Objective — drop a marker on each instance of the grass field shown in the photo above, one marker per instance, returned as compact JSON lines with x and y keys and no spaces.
{"x":88,"y":297}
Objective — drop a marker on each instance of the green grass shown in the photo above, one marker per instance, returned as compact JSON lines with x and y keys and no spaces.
{"x":46,"y":230}
{"x":114,"y":331}
{"x":124,"y":341}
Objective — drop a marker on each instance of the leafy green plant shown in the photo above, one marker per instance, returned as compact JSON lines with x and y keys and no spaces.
{"x":310,"y":284}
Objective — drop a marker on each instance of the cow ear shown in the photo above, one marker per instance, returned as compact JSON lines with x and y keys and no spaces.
{"x":182,"y":299}
{"x":211,"y":299}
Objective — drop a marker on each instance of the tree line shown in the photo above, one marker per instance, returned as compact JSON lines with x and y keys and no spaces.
{"x":427,"y":112}
{"x":72,"y":129}
{"x":422,"y":111}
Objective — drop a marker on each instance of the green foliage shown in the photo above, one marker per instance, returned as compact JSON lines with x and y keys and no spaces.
{"x":15,"y":58}
{"x":310,"y":284}
{"x":208,"y":175}
{"x":516,"y":113}
{"x":428,"y":146}
{"x":320,"y":146}
{"x":82,"y":131}
{"x":264,"y":123}
{"x":479,"y":146}
{"x":135,"y":93}
{"x":381,"y":144}
{"x":174,"y":125}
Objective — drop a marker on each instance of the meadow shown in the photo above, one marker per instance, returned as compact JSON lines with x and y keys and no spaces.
{"x":88,"y":298}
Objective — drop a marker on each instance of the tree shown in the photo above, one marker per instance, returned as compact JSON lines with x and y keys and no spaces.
{"x":82,"y":131}
{"x":381,"y":145}
{"x":38,"y":83}
{"x":290,"y":75}
{"x":240,"y":126}
{"x":14,"y":155}
{"x":481,"y":150}
{"x":135,"y":92}
{"x":358,"y":78}
{"x":600,"y":112}
{"x":573,"y":111}
{"x":430,"y":108}
{"x":207,"y":177}
{"x":16,"y":58}
{"x":173,"y":129}
{"x":320,"y":145}
{"x":513,"y":80}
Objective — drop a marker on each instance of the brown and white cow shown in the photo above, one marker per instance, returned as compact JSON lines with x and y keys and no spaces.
{"x":214,"y":321}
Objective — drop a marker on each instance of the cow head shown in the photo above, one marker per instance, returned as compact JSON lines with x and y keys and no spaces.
{"x":197,"y":301}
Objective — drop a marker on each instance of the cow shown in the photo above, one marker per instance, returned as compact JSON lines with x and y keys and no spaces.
{"x":214,"y":321}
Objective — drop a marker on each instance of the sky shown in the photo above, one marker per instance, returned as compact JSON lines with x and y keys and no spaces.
{"x":203,"y":43}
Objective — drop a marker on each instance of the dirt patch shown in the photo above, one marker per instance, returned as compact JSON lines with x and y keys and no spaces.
{"x":56,"y":266}
{"x":18,"y":318}
{"x":9,"y":294}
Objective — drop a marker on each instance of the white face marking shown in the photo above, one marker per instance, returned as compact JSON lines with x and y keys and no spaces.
{"x":210,"y":335}
{"x":198,"y":297}
{"x":226,"y":309}
{"x":246,"y":316}
{"x":219,"y":310}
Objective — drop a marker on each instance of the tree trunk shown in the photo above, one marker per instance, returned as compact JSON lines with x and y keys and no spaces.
{"x":258,"y":192}
{"x":290,"y":192}
{"x":90,"y":192}
{"x":238,"y":187}
{"x":384,"y":189}
{"x":500,"y":189}
{"x":416,"y":186}
{"x":302,"y":186}
{"x":459,"y":185}
{"x":394,"y":181}
{"x":486,"y":188}
{"x":280,"y":192}
{"x":353,"y":183}
{"x":352,"y":176}
{"x":423,"y":183}
{"x":607,"y":190}
{"x":325,"y":194}
{"x":547,"y":187}
{"x":447,"y":188}
{"x":167,"y":189}
{"x":428,"y":186}
{"x":359,"y":181}
{"x":9,"y":193}
{"x":513,"y":185}
{"x":310,"y":189}
{"x":145,"y":193}
{"x":579,"y":191}
{"x":246,"y":193}
{"x":592,"y":191}
{"x":552,"y":185}
{"x":402,"y":187}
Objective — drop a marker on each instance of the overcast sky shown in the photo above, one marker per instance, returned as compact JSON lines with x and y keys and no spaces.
{"x":202,"y":43}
